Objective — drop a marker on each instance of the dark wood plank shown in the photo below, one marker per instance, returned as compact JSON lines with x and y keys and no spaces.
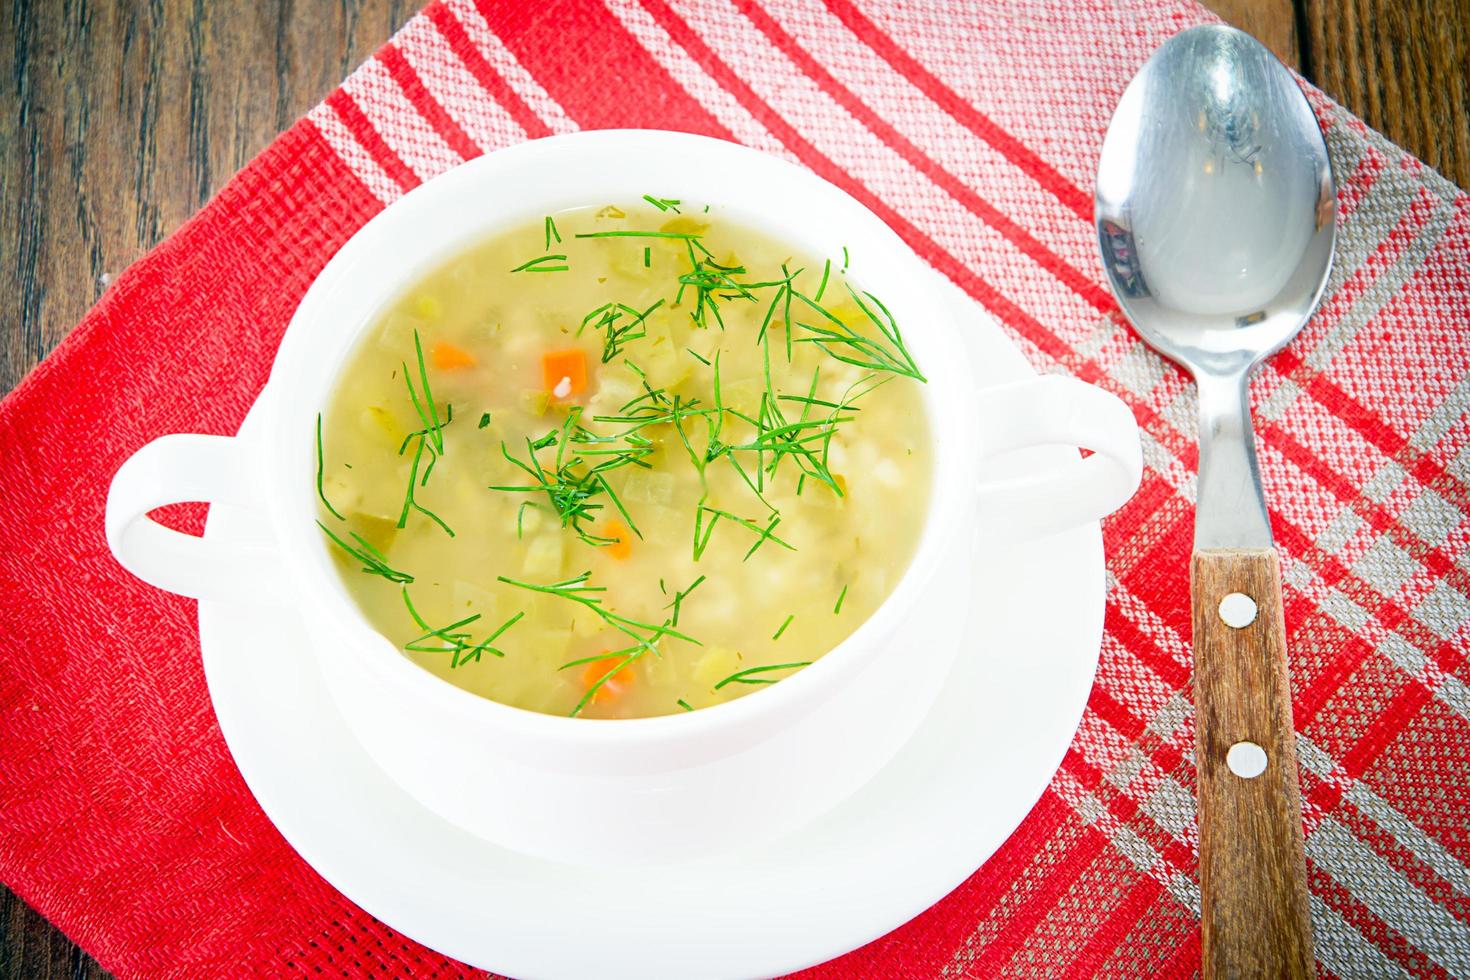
{"x":1272,"y":22}
{"x":119,"y":119}
{"x":1404,"y":67}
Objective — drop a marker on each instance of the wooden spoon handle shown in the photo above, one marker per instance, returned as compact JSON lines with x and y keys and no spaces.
{"x":1256,"y":921}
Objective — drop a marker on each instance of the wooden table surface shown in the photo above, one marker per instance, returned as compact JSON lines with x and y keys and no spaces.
{"x":120,"y":119}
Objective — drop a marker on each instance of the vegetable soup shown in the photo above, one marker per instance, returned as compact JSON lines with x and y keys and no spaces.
{"x":625,"y":461}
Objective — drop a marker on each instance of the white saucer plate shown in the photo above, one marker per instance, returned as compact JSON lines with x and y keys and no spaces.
{"x":930,"y":818}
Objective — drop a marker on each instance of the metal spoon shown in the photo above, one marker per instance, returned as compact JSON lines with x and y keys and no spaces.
{"x":1216,"y":219}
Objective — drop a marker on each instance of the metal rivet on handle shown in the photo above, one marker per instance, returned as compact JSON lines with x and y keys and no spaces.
{"x":1238,"y":610}
{"x":1246,"y":759}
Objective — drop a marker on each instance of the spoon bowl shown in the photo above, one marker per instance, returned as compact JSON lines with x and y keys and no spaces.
{"x":1215,"y":202}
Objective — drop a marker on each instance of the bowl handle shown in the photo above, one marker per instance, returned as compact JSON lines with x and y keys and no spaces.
{"x":1054,"y":410}
{"x":178,"y":469}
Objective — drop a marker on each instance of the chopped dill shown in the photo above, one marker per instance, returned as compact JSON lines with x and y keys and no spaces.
{"x":679,"y":598}
{"x":747,"y":676}
{"x":785,"y":624}
{"x":647,"y":257}
{"x":663,"y":203}
{"x":629,"y":655}
{"x":837,"y":609}
{"x":484,"y":420}
{"x":615,"y":335}
{"x":684,"y":704}
{"x":822,"y":286}
{"x":846,"y":344}
{"x":427,"y":411}
{"x":551,"y":233}
{"x":844,"y":258}
{"x":320,"y":492}
{"x":409,"y":502}
{"x":451,"y":639}
{"x":688,"y":236}
{"x":697,"y":357}
{"x":703,"y":530}
{"x":372,"y":560}
{"x":577,"y":589}
{"x":544,"y":263}
{"x":571,"y":485}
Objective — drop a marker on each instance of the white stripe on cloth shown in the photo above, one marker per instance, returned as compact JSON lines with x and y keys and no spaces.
{"x":451,"y":85}
{"x":406,"y":132}
{"x":694,"y":80}
{"x":510,"y":69}
{"x":352,"y":154}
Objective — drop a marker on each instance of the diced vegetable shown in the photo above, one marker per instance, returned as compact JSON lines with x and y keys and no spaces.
{"x":622,"y":545}
{"x":543,"y":557}
{"x":564,"y":372}
{"x":535,"y":402}
{"x":649,"y":487}
{"x":615,"y":685}
{"x":449,"y":357}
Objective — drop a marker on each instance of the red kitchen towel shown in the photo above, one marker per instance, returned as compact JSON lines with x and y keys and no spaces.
{"x":974,"y":132}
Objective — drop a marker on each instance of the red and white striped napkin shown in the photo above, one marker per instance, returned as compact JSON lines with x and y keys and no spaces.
{"x":974,"y":131}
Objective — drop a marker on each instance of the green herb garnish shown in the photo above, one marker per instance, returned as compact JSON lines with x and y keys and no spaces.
{"x":747,"y":676}
{"x":428,"y":412}
{"x":452,"y":639}
{"x":663,"y":203}
{"x":544,"y":263}
{"x":703,"y":530}
{"x":679,"y":598}
{"x":783,"y":626}
{"x":684,"y":704}
{"x":644,"y":635}
{"x":372,"y":560}
{"x":846,"y":344}
{"x":551,"y":233}
{"x":320,"y":491}
{"x":837,"y":609}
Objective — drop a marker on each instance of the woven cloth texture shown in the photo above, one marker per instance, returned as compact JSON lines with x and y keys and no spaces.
{"x":974,"y":132}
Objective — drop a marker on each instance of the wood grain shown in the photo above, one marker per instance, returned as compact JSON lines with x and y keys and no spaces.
{"x":120,"y":118}
{"x":1256,"y":920}
{"x":1404,"y":67}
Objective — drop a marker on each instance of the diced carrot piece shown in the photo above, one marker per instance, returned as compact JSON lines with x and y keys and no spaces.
{"x":447,"y":356}
{"x":615,"y":685}
{"x":622,"y":539}
{"x":564,"y":372}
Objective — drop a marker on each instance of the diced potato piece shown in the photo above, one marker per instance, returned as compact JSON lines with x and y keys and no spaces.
{"x":535,"y":401}
{"x":376,"y":531}
{"x":344,"y":495}
{"x":685,"y":224}
{"x":379,"y":421}
{"x":648,"y":487}
{"x":528,"y":520}
{"x":472,"y":598}
{"x":663,"y":525}
{"x":717,"y":664}
{"x":743,"y":396}
{"x":397,"y":332}
{"x":544,"y":557}
{"x":888,"y":473}
{"x":586,"y":623}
